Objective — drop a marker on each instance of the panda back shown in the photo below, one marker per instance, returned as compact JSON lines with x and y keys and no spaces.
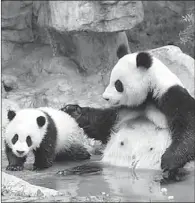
{"x":68,"y":131}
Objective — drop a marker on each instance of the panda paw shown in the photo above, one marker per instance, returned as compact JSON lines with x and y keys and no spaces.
{"x":14,"y":168}
{"x":170,"y":161}
{"x":174,"y":176}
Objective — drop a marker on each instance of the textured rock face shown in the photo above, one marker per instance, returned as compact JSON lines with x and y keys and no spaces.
{"x":88,"y":32}
{"x":97,"y":16}
{"x":13,"y":186}
{"x":17,"y":21}
{"x":90,"y":51}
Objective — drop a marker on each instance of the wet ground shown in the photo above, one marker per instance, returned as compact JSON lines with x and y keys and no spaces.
{"x":120,"y":183}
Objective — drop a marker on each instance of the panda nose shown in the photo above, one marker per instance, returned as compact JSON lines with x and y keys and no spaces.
{"x":20,"y":152}
{"x":106,"y":99}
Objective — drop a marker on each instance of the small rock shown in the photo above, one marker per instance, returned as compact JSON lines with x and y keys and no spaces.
{"x":164,"y":191}
{"x":170,"y":197}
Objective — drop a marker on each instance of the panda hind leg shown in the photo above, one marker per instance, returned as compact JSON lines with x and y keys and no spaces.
{"x":15,"y":163}
{"x":44,"y":157}
{"x":76,"y":152}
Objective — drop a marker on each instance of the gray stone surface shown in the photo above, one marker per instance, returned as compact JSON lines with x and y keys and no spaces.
{"x":13,"y":186}
{"x":16,"y":21}
{"x":96,"y":16}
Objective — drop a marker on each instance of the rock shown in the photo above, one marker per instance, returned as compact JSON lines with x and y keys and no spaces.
{"x":98,"y":16}
{"x":7,"y":49}
{"x":14,"y":186}
{"x":16,"y":21}
{"x":91,"y":52}
{"x":88,"y":32}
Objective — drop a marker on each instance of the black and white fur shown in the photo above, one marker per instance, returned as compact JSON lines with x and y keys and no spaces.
{"x":145,"y":79}
{"x":160,"y":132}
{"x":51,"y":134}
{"x":131,"y":140}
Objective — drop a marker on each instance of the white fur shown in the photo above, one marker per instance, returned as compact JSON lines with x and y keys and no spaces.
{"x":68,"y":130}
{"x":154,"y":115}
{"x":138,"y":81}
{"x":138,"y":138}
{"x":24,"y":124}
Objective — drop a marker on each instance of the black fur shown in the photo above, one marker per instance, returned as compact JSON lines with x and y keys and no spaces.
{"x":74,"y":153}
{"x":96,"y":123}
{"x":144,"y":60}
{"x":122,"y":51}
{"x":179,"y":108}
{"x":119,"y":86}
{"x":41,"y":121}
{"x":45,"y":154}
{"x":11,"y":114}
{"x":15,"y":163}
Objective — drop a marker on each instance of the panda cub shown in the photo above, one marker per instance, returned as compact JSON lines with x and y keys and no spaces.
{"x":139,"y":78}
{"x":51,"y":134}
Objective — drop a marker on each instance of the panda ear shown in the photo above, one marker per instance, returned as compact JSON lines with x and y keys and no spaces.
{"x":144,"y":60}
{"x":11,"y":114}
{"x":41,"y":121}
{"x":122,"y":51}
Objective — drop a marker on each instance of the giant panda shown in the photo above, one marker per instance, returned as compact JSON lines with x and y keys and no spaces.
{"x":151,"y":122}
{"x":139,"y":78}
{"x":51,"y":134}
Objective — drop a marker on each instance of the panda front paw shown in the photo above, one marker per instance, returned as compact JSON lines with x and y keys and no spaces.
{"x":174,"y":176}
{"x":172,"y":160}
{"x":14,"y":168}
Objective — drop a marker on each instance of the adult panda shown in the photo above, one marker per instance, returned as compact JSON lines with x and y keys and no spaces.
{"x":141,"y":78}
{"x":141,"y":85}
{"x":51,"y":134}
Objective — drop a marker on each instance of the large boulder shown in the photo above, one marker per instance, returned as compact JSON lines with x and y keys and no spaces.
{"x":14,"y":188}
{"x":88,"y":32}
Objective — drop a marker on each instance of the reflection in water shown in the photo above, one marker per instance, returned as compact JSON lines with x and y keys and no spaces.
{"x":118,"y":182}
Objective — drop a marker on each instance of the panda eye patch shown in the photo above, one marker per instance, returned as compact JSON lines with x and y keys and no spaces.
{"x":15,"y":139}
{"x":29,"y":141}
{"x":119,"y":86}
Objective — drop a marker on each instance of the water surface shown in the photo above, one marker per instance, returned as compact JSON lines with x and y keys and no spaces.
{"x":123,"y":183}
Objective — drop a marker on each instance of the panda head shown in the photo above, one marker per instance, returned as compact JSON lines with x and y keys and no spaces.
{"x":25,"y":130}
{"x":135,"y":76}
